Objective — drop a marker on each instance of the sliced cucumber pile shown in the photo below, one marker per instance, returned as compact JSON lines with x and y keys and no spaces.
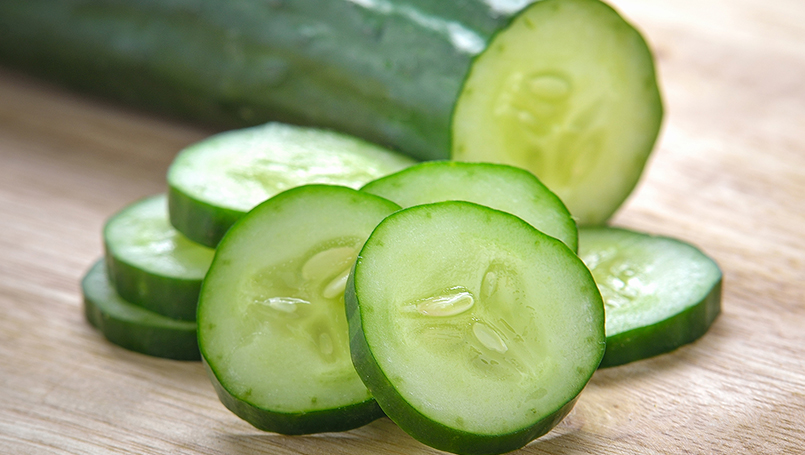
{"x":143,"y":295}
{"x":501,"y":187}
{"x":132,"y":326}
{"x":272,"y":325}
{"x":150,"y":263}
{"x":474,"y":331}
{"x":567,"y":91}
{"x":660,"y":293}
{"x":154,"y":268}
{"x":215,"y":182}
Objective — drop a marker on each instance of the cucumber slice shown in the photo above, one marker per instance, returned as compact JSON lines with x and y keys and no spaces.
{"x":567,"y":91}
{"x":474,"y":331}
{"x":501,"y":187}
{"x":133,"y":327}
{"x":150,"y":263}
{"x":215,"y":182}
{"x":659,"y":293}
{"x":272,"y":325}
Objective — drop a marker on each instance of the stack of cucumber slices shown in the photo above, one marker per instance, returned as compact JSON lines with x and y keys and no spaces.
{"x":332,"y":282}
{"x":326,"y":282}
{"x":143,"y":294}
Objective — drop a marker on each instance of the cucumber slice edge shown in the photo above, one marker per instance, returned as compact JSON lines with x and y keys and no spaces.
{"x":317,"y":417}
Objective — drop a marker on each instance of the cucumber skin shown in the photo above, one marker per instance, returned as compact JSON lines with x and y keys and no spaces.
{"x":208,"y":229}
{"x":172,"y":297}
{"x":152,"y":341}
{"x":664,"y":336}
{"x":332,"y":420}
{"x":166,"y":342}
{"x":335,"y":64}
{"x":412,"y":421}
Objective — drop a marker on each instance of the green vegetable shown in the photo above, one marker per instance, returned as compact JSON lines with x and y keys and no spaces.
{"x":501,"y":187}
{"x":660,"y":293}
{"x":216,"y":181}
{"x":272,"y":326}
{"x":563,"y":88}
{"x":473,"y":331}
{"x":151,"y":264}
{"x":568,"y":92}
{"x":132,"y":326}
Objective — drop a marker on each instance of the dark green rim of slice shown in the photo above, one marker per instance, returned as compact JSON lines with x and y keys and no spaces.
{"x":172,"y":297}
{"x":422,"y":428}
{"x":199,"y":221}
{"x":324,"y":421}
{"x":133,"y":327}
{"x":664,"y":336}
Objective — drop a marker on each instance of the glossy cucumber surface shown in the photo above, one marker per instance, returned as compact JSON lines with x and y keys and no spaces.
{"x":563,"y":88}
{"x":386,"y":70}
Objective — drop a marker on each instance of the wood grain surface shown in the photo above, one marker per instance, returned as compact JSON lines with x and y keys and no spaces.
{"x":728,"y":175}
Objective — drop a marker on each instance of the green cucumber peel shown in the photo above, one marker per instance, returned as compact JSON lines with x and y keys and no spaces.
{"x":132,"y":326}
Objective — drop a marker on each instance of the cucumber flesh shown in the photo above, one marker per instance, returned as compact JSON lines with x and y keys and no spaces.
{"x":474,"y":331}
{"x":659,"y":293}
{"x":216,"y":181}
{"x":150,"y":263}
{"x":132,"y":326}
{"x":569,"y":92}
{"x":501,"y":187}
{"x":272,"y":325}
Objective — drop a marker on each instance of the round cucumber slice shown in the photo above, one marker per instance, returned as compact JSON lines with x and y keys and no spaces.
{"x":215,"y":182}
{"x":659,"y":293}
{"x":569,"y":92}
{"x":132,"y":326}
{"x":474,"y":331}
{"x":150,"y":263}
{"x":498,"y":186}
{"x":272,"y":325}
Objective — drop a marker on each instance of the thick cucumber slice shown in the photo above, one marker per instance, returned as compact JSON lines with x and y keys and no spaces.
{"x":272,"y":325}
{"x":474,"y":331}
{"x":567,"y":91}
{"x":501,"y":187}
{"x":659,"y":293}
{"x":133,"y":327}
{"x":150,"y":263}
{"x":215,"y":182}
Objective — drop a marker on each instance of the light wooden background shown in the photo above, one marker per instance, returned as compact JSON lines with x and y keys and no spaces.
{"x":728,"y":176}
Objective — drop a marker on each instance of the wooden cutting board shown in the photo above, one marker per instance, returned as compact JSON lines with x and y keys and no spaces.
{"x":728,"y":175}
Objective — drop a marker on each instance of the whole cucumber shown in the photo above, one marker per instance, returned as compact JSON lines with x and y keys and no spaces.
{"x":389,"y":71}
{"x":563,"y":88}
